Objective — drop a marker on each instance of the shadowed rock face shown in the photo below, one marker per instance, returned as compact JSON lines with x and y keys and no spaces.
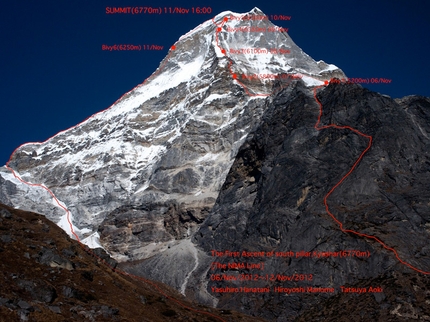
{"x":204,"y":161}
{"x":272,"y":197}
{"x":290,"y":166}
{"x":272,"y":200}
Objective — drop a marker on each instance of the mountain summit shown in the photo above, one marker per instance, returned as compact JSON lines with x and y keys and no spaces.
{"x":248,"y":176}
{"x":168,"y":144}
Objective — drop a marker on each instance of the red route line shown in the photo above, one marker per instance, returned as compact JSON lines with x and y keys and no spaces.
{"x":346,"y":127}
{"x":121,"y":272}
{"x":317,"y":127}
{"x":88,"y":250}
{"x":70,"y":128}
{"x":223,"y":51}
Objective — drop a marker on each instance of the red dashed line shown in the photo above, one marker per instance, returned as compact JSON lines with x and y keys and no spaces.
{"x":47,"y":189}
{"x":88,"y":250}
{"x":234,"y":76}
{"x":70,"y":128}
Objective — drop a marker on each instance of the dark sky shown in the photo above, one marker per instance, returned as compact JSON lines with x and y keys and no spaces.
{"x":54,"y":73}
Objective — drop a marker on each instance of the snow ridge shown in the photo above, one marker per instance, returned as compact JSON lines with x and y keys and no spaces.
{"x":174,"y":137}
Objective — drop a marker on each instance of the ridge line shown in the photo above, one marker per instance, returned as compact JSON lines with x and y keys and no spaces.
{"x":83,"y":246}
{"x":317,"y":127}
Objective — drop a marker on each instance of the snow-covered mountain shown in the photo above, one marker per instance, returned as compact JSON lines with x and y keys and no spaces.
{"x":231,"y":146}
{"x":145,"y":172}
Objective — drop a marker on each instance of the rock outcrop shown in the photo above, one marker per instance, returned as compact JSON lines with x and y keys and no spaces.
{"x":272,"y":200}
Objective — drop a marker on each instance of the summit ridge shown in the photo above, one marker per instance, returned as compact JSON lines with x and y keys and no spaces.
{"x":169,"y":129}
{"x":218,"y":150}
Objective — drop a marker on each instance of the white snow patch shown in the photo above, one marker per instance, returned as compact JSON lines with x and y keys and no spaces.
{"x":143,"y":188}
{"x":92,"y":241}
{"x":64,"y":224}
{"x":208,"y":157}
{"x":86,"y":230}
{"x":205,"y":24}
{"x":213,"y":97}
{"x":330,"y":67}
{"x":310,"y":81}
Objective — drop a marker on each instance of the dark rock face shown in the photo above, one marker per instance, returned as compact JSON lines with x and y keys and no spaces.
{"x":38,"y":289}
{"x":405,"y":298}
{"x":170,"y":174}
{"x":51,"y":258}
{"x":272,"y":199}
{"x":101,"y":255}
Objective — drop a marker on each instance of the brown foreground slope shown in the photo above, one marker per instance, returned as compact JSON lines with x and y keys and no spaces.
{"x":46,"y":276}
